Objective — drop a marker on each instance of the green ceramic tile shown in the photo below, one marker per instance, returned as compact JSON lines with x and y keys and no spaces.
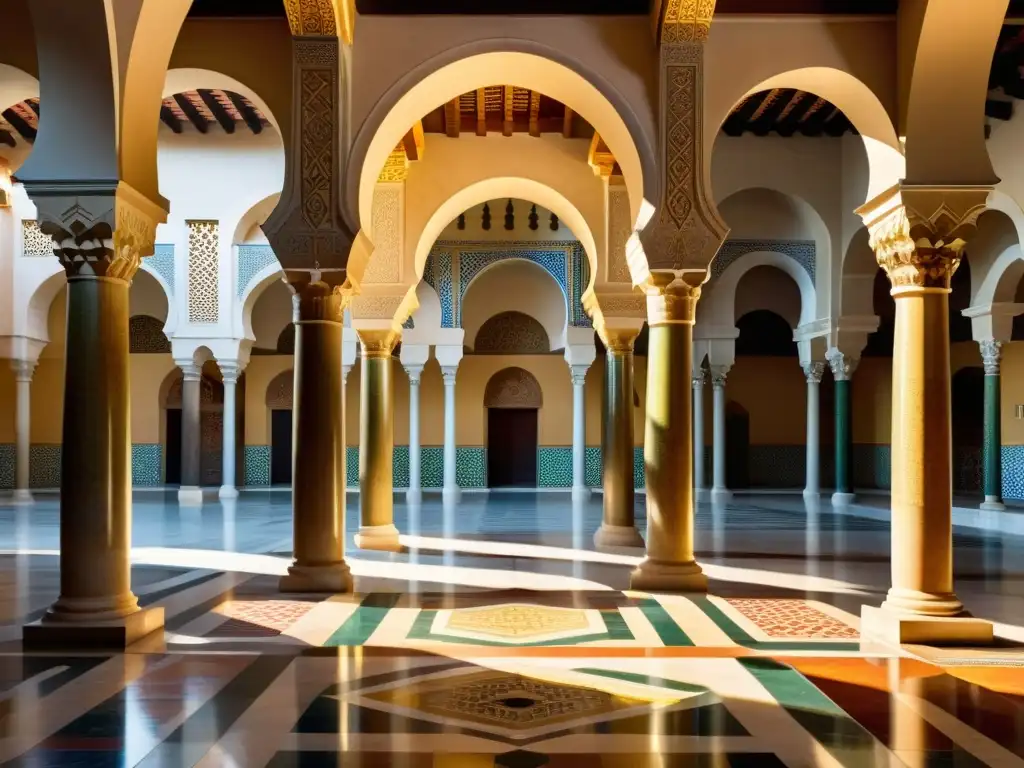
{"x":364,"y":622}
{"x":670,"y":633}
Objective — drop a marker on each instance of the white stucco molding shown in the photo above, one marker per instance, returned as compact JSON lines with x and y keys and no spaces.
{"x":992,"y":322}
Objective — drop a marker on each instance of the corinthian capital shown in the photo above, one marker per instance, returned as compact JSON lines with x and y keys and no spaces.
{"x":918,"y":232}
{"x":101,"y":229}
{"x":319,"y":295}
{"x":670,"y":299}
{"x":991,"y":353}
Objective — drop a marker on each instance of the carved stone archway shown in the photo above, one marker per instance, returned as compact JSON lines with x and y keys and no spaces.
{"x":513,"y":388}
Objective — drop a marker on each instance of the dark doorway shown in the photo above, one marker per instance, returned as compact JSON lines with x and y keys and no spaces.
{"x":511,"y":447}
{"x":172,"y":461}
{"x":281,"y":447}
{"x":737,"y":446}
{"x":968,"y":392}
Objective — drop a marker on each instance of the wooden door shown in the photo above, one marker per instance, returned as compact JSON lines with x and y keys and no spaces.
{"x":172,"y":458}
{"x":512,"y":447}
{"x":281,"y":447}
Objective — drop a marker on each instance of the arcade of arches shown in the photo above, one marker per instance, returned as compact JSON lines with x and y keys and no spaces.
{"x":714,"y":311}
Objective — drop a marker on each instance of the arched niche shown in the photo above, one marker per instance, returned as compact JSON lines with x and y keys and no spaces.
{"x":280,"y":391}
{"x":511,"y":333}
{"x":513,"y":388}
{"x":146,"y":336}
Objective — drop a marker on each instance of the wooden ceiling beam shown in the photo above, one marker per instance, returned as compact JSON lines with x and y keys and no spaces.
{"x":219,"y":113}
{"x":507,"y":124}
{"x":247,"y":111}
{"x":413,"y":142}
{"x":34,"y":105}
{"x":814,"y":123}
{"x":452,"y":118}
{"x":19,"y":124}
{"x":170,"y":119}
{"x":736,"y":123}
{"x":535,"y":114}
{"x":191,"y":113}
{"x":481,"y":113}
{"x":788,"y":124}
{"x":567,"y":123}
{"x":764,"y":118}
{"x":7,"y":138}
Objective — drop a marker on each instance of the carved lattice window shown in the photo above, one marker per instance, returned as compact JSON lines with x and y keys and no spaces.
{"x":146,"y":336}
{"x":33,"y":241}
{"x":203,"y":271}
{"x":512,"y":333}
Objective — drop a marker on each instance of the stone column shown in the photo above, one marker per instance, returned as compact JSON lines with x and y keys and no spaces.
{"x":668,"y":439}
{"x":580,"y":491}
{"x":719,"y":490}
{"x":917,"y":234}
{"x":190,"y":493}
{"x":415,"y":492}
{"x":813,"y":372}
{"x":318,"y":414}
{"x":843,"y":367}
{"x":991,"y":352}
{"x":230,"y":373}
{"x":377,"y":442}
{"x":23,"y":370}
{"x":450,"y":490}
{"x":618,"y":527}
{"x":96,"y":607}
{"x":700,"y":492}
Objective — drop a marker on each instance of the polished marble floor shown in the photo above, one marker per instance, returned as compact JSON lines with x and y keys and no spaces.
{"x":499,"y":637}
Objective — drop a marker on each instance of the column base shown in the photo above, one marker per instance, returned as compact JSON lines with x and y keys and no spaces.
{"x":228,"y":492}
{"x":812,"y":493}
{"x":841,"y":499}
{"x":580,"y":493}
{"x":22,"y":496}
{"x":379,"y":537}
{"x":190,"y":496}
{"x":702,"y":495}
{"x":332,"y":579}
{"x":58,"y":630}
{"x":993,"y":504}
{"x":451,"y":495}
{"x":721,"y":494}
{"x":895,"y":627}
{"x":617,"y":536}
{"x":414,"y":496}
{"x":657,"y":576}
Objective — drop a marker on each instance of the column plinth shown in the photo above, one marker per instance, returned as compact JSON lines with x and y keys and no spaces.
{"x":96,"y":607}
{"x":618,"y":527}
{"x":318,"y":477}
{"x":668,"y":440}
{"x":377,"y":442}
{"x":921,"y":605}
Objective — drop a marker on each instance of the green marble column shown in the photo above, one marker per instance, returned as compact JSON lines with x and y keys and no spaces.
{"x":843,"y":367}
{"x":991,"y":352}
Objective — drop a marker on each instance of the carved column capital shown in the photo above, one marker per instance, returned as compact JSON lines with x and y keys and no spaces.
{"x":230,"y":371}
{"x":670,"y":299}
{"x":99,"y":230}
{"x":377,"y":343}
{"x":448,"y":374}
{"x":918,"y":232}
{"x":618,"y":341}
{"x":414,"y":372}
{"x":991,"y":354}
{"x":578,"y":374}
{"x":814,"y":371}
{"x":23,"y":370}
{"x":319,"y":295}
{"x":718,"y":375}
{"x":190,"y":371}
{"x":842,"y":365}
{"x":698,"y":379}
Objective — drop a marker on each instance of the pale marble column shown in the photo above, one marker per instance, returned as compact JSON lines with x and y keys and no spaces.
{"x":230,"y":373}
{"x":580,"y":490}
{"x":700,"y":492}
{"x":813,"y":372}
{"x":450,"y":491}
{"x":23,"y":370}
{"x":719,"y":489}
{"x":991,"y":352}
{"x":415,"y":492}
{"x":190,"y":493}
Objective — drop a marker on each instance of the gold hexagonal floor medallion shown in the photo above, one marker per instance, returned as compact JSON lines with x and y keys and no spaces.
{"x":517,"y":623}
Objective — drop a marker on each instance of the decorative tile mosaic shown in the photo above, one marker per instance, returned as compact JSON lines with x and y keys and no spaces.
{"x":554,"y":467}
{"x":872,"y":466}
{"x":803,"y":252}
{"x":792,"y":619}
{"x":146,"y":336}
{"x":473,"y":258}
{"x":251,"y":260}
{"x":351,"y":466}
{"x":777,"y":466}
{"x":593,"y":468}
{"x":432,"y":466}
{"x":256,"y":460}
{"x":471,"y":467}
{"x":579,"y":277}
{"x":400,"y":466}
{"x":162,"y":263}
{"x":517,"y":621}
{"x":34,"y":243}
{"x":203,"y":271}
{"x":147,"y":465}
{"x":1012,"y":457}
{"x":44,"y":466}
{"x":260,"y":618}
{"x":639,"y":474}
{"x":8,"y":457}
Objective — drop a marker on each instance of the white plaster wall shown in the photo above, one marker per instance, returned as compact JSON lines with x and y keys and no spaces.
{"x":515,"y":285}
{"x":768,"y":288}
{"x":474,"y":225}
{"x":272,"y":312}
{"x":147,"y":297}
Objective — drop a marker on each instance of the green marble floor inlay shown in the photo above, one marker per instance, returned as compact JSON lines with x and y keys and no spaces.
{"x":364,"y":622}
{"x":671,"y":634}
